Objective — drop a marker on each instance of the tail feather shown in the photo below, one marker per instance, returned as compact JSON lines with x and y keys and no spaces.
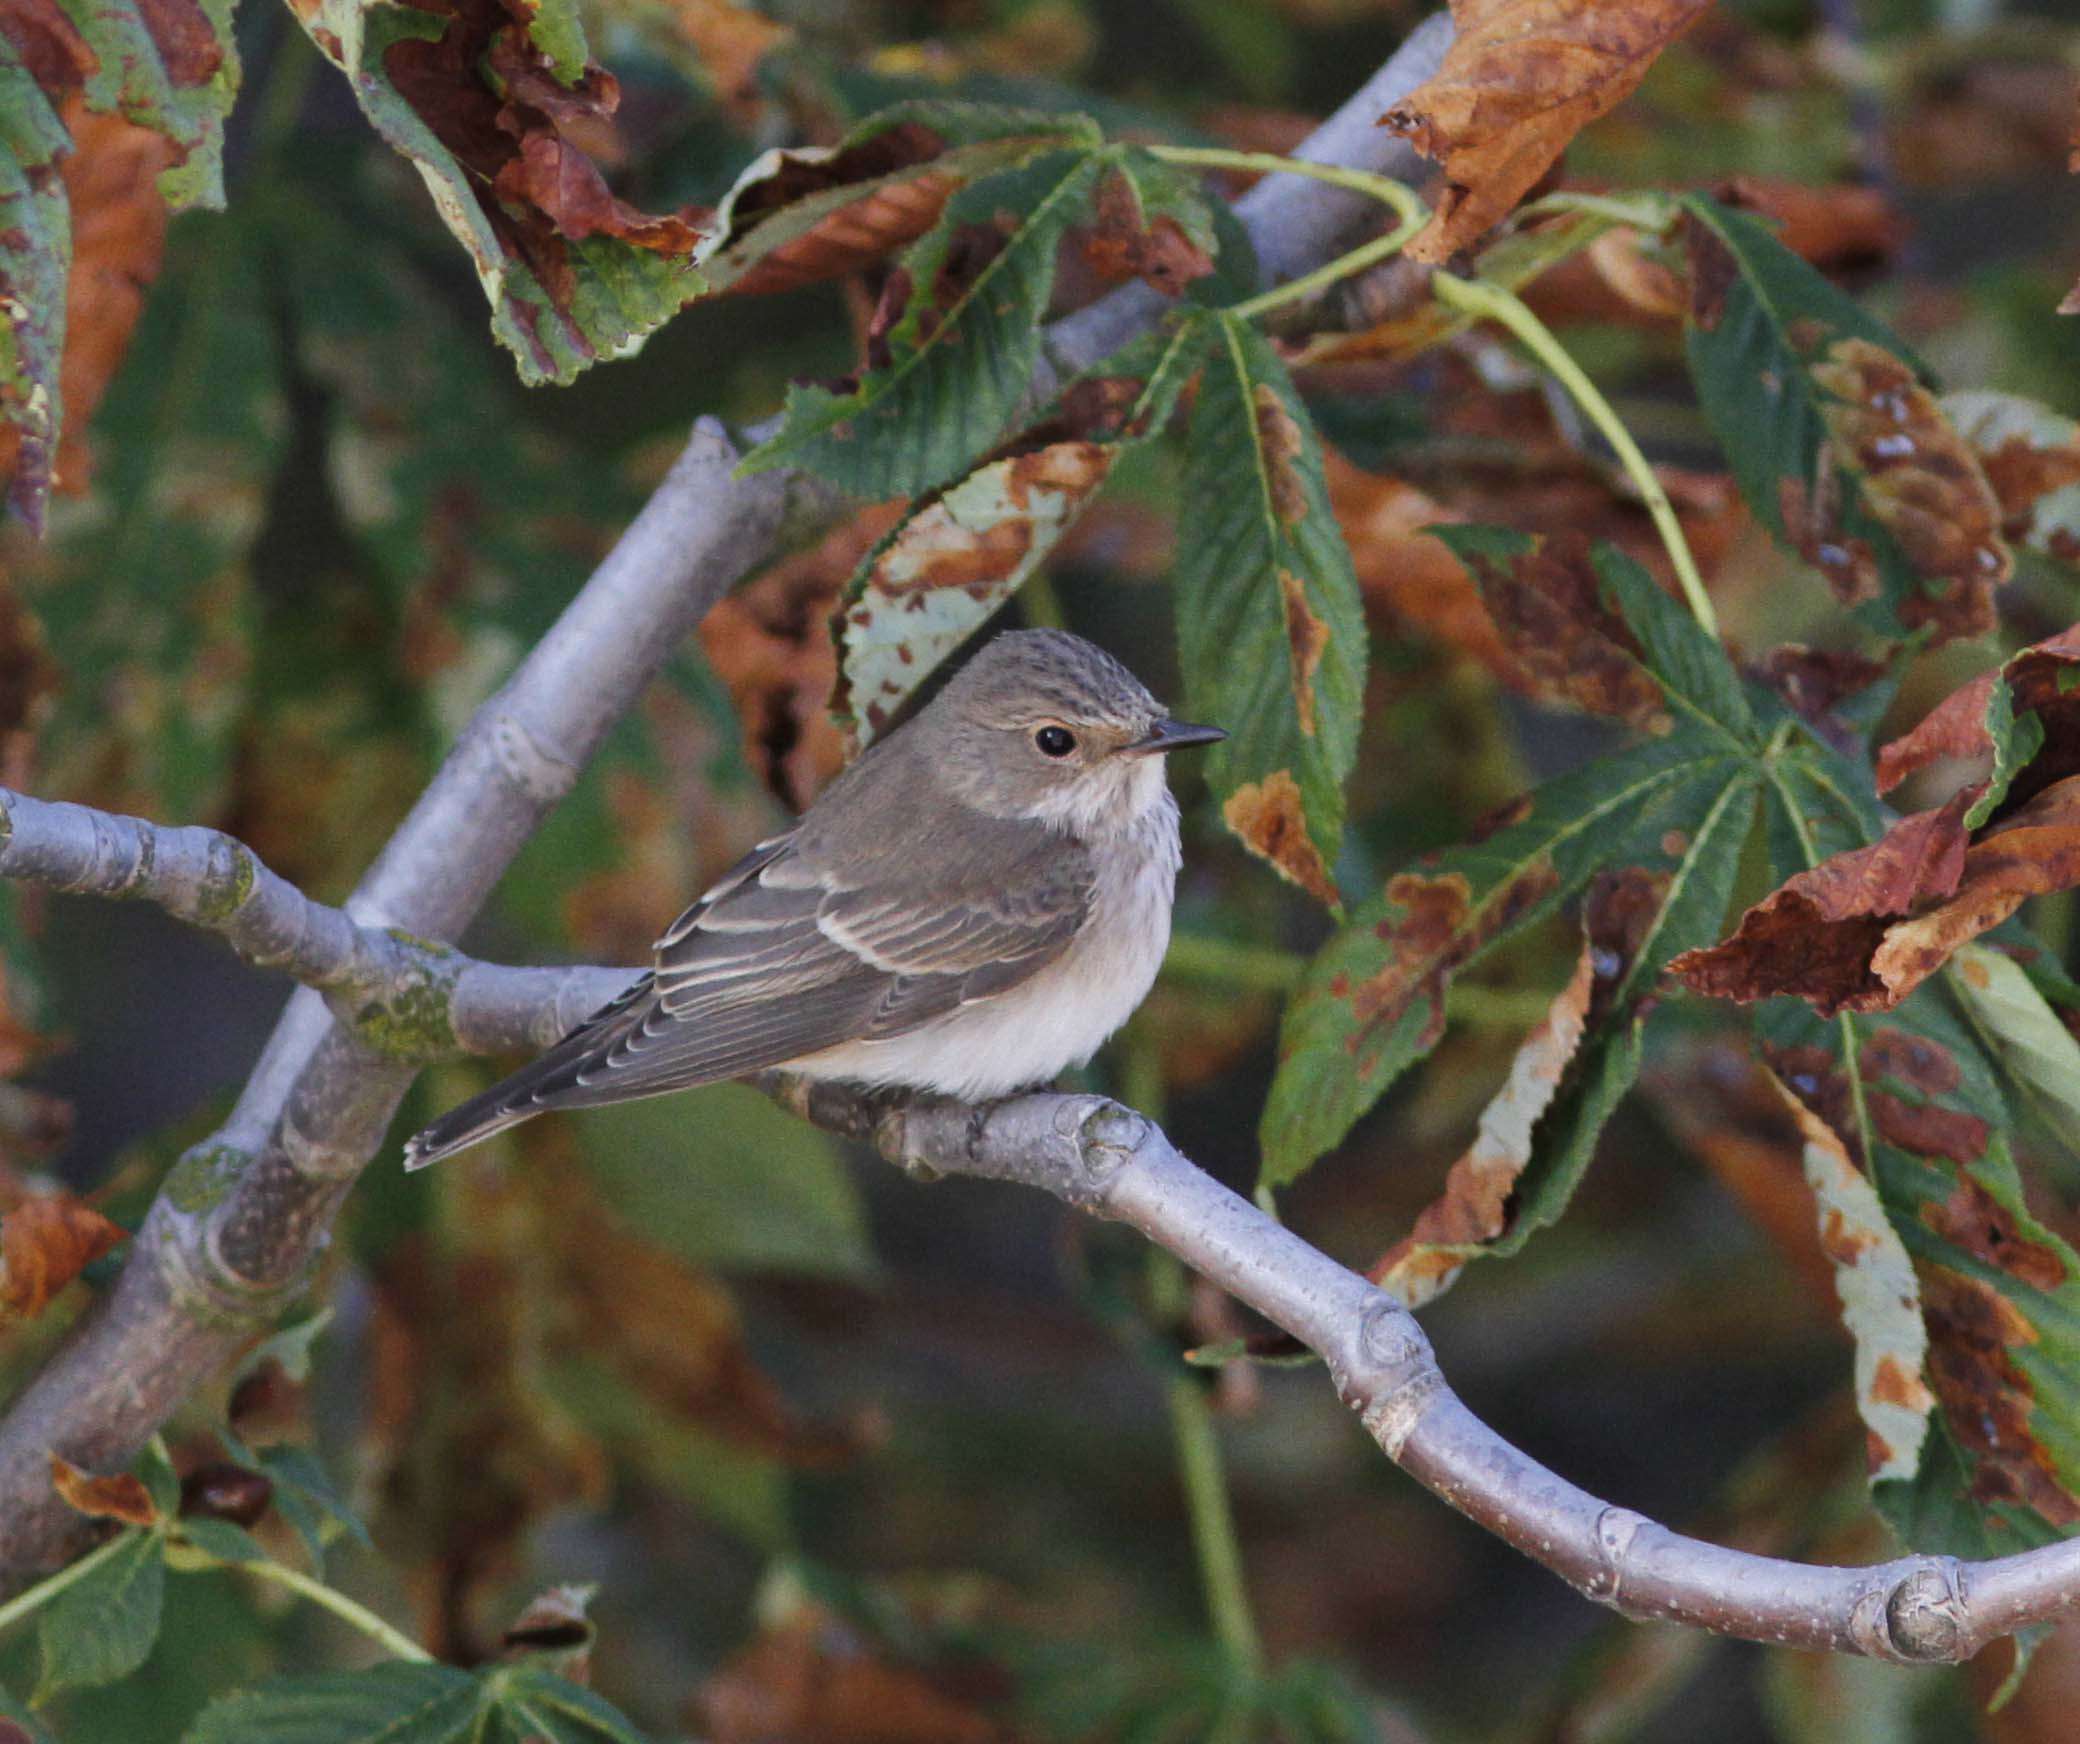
{"x":546,"y":1083}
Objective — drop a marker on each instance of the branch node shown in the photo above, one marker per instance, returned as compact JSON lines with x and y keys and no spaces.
{"x":1616,"y":1529}
{"x":1387,"y":1373}
{"x":531,"y":766}
{"x":1922,"y":1619}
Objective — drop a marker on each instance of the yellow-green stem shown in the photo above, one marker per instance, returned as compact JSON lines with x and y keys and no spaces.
{"x":1257,"y":968}
{"x":1479,"y":297}
{"x":51,"y":1586}
{"x":392,"y":1641}
{"x":1405,"y":202}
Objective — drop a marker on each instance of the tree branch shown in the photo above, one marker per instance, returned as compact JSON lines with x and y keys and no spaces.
{"x":1110,"y":1162}
{"x":229,"y":1240}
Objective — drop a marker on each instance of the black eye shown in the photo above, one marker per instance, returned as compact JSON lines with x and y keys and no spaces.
{"x":1055,"y":741}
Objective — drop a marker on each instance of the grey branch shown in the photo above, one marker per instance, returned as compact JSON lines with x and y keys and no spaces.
{"x":227,"y":1245}
{"x":1110,"y":1162}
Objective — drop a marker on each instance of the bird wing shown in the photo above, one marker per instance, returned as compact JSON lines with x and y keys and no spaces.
{"x":783,"y":958}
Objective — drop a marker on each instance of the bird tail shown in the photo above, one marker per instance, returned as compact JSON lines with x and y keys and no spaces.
{"x":550,"y":1082}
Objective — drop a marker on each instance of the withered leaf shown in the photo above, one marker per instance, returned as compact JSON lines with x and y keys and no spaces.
{"x":1268,"y":818}
{"x":111,"y":1496}
{"x":1521,"y":79}
{"x":1862,"y":930}
{"x":2040,"y":683}
{"x":46,"y":1241}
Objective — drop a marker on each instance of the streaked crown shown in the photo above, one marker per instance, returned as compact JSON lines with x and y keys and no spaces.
{"x":1023,"y":674}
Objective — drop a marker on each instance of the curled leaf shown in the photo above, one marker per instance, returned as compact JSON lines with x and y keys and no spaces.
{"x":113,"y":1496}
{"x":1521,"y":79}
{"x":45,"y":1242}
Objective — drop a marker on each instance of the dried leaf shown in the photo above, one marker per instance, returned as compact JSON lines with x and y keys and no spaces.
{"x":113,"y":1496}
{"x":1149,"y":222}
{"x":1838,"y":226}
{"x":1863,"y":929}
{"x":2031,"y":456}
{"x":2039,"y":680}
{"x":1521,"y":79}
{"x":1269,"y":819}
{"x":45,"y":1242}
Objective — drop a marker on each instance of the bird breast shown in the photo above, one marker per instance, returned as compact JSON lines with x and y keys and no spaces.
{"x":1058,"y":1017}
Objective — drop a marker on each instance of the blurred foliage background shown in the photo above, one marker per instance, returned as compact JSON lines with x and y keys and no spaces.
{"x":852,"y":1459}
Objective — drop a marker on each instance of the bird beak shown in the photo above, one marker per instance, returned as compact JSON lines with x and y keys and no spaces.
{"x":1172,"y":735}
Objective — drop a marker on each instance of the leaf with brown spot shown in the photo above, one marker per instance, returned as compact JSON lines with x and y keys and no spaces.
{"x":1268,"y":819}
{"x":111,"y":1496}
{"x":1830,"y":426}
{"x":47,"y":1240}
{"x":1149,"y":221}
{"x":2031,"y":456}
{"x":1270,"y":630}
{"x":1874,"y":1282}
{"x":1373,"y":1001}
{"x":2039,"y":681}
{"x":1521,"y":79}
{"x":953,"y":560}
{"x":1564,"y":642}
{"x":1476,"y":1204}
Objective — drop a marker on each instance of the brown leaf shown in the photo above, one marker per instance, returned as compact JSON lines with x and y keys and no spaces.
{"x":1521,"y":79}
{"x":1862,"y":930}
{"x":810,"y":1680}
{"x":46,"y":1241}
{"x":1565,"y":643}
{"x":1408,"y":577}
{"x":554,"y":1623}
{"x":114,"y":1496}
{"x":2040,"y":681}
{"x":1921,"y":479}
{"x":1475,"y":1207}
{"x":1124,"y":243}
{"x":1268,"y":818}
{"x":770,"y":645}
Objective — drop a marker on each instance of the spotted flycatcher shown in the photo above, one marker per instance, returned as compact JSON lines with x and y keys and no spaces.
{"x":975,"y":904}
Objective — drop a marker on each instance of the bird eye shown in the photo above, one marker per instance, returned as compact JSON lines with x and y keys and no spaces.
{"x":1055,"y":741}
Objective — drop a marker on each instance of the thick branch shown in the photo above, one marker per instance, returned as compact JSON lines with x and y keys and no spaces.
{"x":1109,"y":1161}
{"x":228,"y":1241}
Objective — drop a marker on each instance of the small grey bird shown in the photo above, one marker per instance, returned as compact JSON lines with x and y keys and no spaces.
{"x":974,"y":905}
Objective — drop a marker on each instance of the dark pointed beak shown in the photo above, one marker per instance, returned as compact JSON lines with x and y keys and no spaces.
{"x":1172,"y":735}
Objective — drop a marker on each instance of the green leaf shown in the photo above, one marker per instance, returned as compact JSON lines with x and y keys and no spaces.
{"x":951,"y":563}
{"x":1838,"y":444}
{"x":960,"y":352}
{"x":144,"y":595}
{"x":304,"y":1496}
{"x":567,"y":287}
{"x":1691,"y":665}
{"x":2021,"y":1030}
{"x":539,"y":1704}
{"x":725,"y":1179}
{"x":1269,"y":626}
{"x":2016,"y":739}
{"x":102,"y":1626}
{"x":395,"y":1703}
{"x":221,"y":1539}
{"x":175,"y":71}
{"x":1373,"y":1000}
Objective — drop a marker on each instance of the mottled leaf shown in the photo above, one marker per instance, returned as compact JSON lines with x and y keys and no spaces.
{"x":801,"y":214}
{"x":170,"y":70}
{"x":953,"y":346}
{"x":495,"y":107}
{"x":951,"y":562}
{"x":1880,"y":1301}
{"x":1269,"y":626}
{"x":1839,"y":445}
{"x":103,"y":1625}
{"x":1150,"y":222}
{"x":1373,"y":1002}
{"x":1521,"y":79}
